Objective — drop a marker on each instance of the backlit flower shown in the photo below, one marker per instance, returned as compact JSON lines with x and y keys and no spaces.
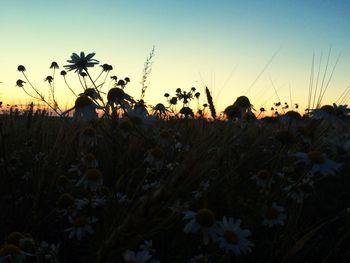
{"x":54,"y":65}
{"x":19,"y":83}
{"x":21,"y":68}
{"x":82,"y":62}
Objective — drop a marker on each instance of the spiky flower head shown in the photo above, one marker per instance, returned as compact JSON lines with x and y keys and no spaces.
{"x":82,"y":62}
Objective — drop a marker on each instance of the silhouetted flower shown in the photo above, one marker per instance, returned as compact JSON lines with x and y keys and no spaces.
{"x":19,"y":83}
{"x":21,"y":68}
{"x":82,"y":62}
{"x":63,"y":73}
{"x":106,"y":67}
{"x":49,"y":79}
{"x":54,"y":65}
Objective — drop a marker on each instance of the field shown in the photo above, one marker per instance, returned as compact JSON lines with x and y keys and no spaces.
{"x":172,"y":186}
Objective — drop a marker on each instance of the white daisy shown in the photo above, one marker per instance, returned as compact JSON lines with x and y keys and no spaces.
{"x":203,"y":220}
{"x":233,"y":238}
{"x":319,"y":163}
{"x":263,"y":178}
{"x":81,"y":227}
{"x":137,"y":257}
{"x":273,"y":215}
{"x":155,"y":157}
{"x":11,"y":253}
{"x":92,"y":180}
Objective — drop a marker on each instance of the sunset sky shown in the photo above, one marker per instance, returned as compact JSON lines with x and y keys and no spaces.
{"x":224,"y":45}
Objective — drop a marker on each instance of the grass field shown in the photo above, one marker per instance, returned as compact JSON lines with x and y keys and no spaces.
{"x":119,"y":181}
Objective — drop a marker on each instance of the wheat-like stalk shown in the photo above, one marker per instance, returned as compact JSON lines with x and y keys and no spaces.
{"x":210,"y":102}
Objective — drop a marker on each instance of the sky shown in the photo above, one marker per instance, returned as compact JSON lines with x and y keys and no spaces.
{"x":234,"y":47}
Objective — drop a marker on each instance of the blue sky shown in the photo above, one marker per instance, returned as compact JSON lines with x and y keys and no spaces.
{"x":221,"y":44}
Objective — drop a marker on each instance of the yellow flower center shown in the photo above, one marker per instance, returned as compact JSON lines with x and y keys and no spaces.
{"x":93,"y":174}
{"x":205,"y":217}
{"x":315,"y":157}
{"x":80,"y":221}
{"x":231,"y":237}
{"x":271,"y":214}
{"x":9,"y":249}
{"x":264,"y":174}
{"x":14,"y":238}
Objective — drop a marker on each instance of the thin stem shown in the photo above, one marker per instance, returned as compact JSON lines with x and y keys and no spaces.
{"x":41,"y":96}
{"x":65,"y":80}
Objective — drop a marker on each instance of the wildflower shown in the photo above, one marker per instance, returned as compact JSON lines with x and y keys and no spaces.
{"x":21,"y":68}
{"x":14,"y":238}
{"x":89,"y":161}
{"x":63,"y":73}
{"x":48,"y":252}
{"x":233,"y":238}
{"x":88,"y":138}
{"x":11,"y":253}
{"x":173,"y":101}
{"x":106,"y":67}
{"x":155,"y":157}
{"x":82,"y":62}
{"x":203,"y":220}
{"x":49,"y":79}
{"x":137,"y":257}
{"x":274,"y":215}
{"x":263,"y":178}
{"x":85,"y":109}
{"x":19,"y":83}
{"x":320,"y":164}
{"x":54,"y":65}
{"x":160,"y":110}
{"x":187,"y":112}
{"x":92,"y":179}
{"x":81,"y":227}
{"x":117,"y":96}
